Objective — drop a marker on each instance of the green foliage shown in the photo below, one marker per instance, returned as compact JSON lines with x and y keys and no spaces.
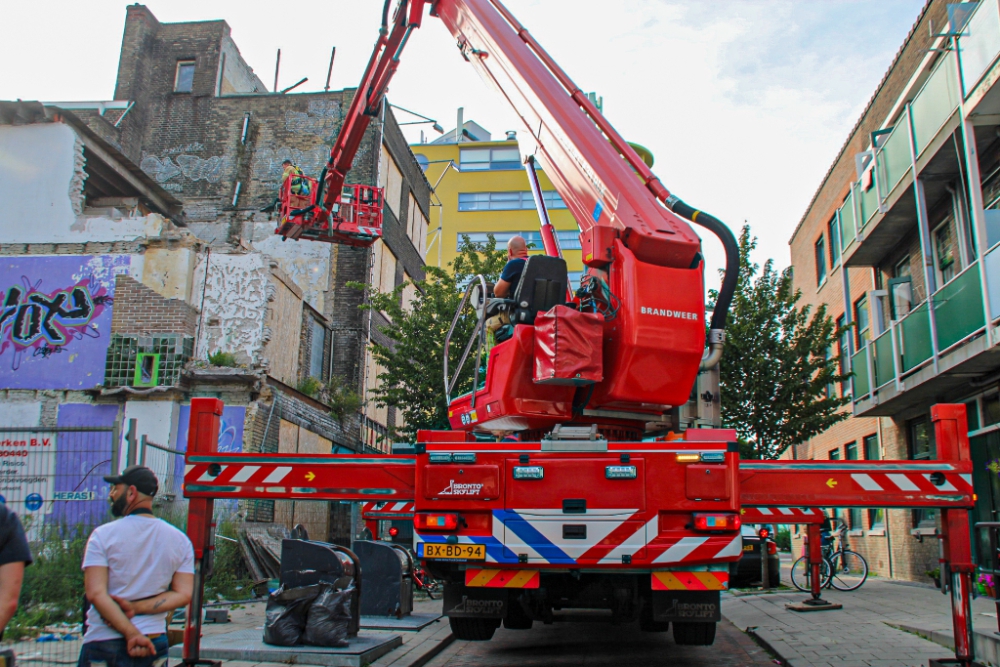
{"x":778,"y":362}
{"x":52,"y":591}
{"x":310,"y":386}
{"x":221,"y":358}
{"x":783,"y":539}
{"x":342,"y":399}
{"x":230,"y":578}
{"x":412,"y":381}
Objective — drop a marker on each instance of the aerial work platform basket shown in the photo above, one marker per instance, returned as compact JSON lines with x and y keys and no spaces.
{"x":355,"y":221}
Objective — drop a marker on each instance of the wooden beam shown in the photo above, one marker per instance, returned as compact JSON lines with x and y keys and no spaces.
{"x":153,"y":198}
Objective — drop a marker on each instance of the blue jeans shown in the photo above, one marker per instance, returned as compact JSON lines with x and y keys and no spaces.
{"x":114,"y":653}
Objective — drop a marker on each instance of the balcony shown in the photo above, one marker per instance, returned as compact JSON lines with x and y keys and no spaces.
{"x":882,"y":206}
{"x":899,"y":369}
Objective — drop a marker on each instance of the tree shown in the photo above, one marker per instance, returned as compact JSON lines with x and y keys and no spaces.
{"x":778,"y":372}
{"x":412,"y":379}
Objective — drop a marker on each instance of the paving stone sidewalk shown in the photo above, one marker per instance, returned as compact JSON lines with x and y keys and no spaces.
{"x":862,"y":634}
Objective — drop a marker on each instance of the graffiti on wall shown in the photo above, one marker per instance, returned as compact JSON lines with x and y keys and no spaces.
{"x":55,"y":320}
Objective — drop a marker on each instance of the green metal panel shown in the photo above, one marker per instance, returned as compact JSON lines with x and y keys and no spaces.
{"x":894,"y":158}
{"x":885,"y":370}
{"x":935,"y":102}
{"x":979,"y":43}
{"x":848,"y":230}
{"x":859,"y":364}
{"x":915,"y":336}
{"x":868,"y":204}
{"x":958,"y":308}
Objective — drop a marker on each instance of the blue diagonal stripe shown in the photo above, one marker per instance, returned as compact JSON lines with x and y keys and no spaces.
{"x":530,"y":536}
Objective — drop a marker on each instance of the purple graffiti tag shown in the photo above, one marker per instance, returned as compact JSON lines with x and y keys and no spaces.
{"x":46,"y":322}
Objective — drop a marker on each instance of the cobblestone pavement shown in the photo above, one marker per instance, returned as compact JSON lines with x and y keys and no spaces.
{"x":860,"y":634}
{"x":601,"y":645}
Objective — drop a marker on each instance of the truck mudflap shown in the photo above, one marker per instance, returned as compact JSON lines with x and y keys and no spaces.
{"x":463,"y":602}
{"x":686,"y":606}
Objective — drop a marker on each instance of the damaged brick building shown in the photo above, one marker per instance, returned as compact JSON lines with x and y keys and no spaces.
{"x":201,"y":297}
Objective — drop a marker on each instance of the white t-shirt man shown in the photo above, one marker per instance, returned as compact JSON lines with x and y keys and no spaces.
{"x":142,"y":553}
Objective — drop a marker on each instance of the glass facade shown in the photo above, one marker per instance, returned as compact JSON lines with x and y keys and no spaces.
{"x":507,"y":201}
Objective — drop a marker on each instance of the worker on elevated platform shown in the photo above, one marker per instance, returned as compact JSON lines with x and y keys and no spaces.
{"x":517,"y":255}
{"x":300,"y":186}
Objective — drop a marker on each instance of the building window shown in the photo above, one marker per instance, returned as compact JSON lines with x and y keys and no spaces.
{"x":422,"y":161}
{"x":901,"y":289}
{"x":489,"y":159}
{"x":944,"y":253}
{"x":568,"y":240}
{"x":972,"y":415}
{"x":820,"y":261}
{"x":184,"y":80}
{"x":507,"y":201}
{"x":872,"y":451}
{"x":876,"y":517}
{"x":863,"y":325}
{"x":316,"y":350}
{"x":835,"y":454}
{"x":851,"y":451}
{"x":854,"y":514}
{"x":922,"y":448}
{"x":833,"y":231}
{"x":844,"y":345}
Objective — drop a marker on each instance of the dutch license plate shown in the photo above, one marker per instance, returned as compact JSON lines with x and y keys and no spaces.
{"x":747,"y":547}
{"x":464,"y":551}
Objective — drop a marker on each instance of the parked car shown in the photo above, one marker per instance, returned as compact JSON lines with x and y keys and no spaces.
{"x":746,"y":571}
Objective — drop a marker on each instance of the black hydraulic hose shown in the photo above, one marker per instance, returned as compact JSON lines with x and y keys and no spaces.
{"x":725,"y":235}
{"x":385,"y":15}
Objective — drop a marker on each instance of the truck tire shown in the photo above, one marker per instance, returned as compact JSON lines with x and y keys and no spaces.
{"x":473,"y":629}
{"x":694,"y":634}
{"x":516,"y":618}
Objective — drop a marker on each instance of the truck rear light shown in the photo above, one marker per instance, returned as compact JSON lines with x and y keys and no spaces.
{"x":529,"y":472}
{"x":620,"y":472}
{"x":717,"y":522}
{"x":772,"y":548}
{"x":688,"y":458}
{"x":427,"y":521}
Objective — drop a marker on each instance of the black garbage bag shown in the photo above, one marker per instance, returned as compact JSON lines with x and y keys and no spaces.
{"x":285,"y":617}
{"x":329,"y":617}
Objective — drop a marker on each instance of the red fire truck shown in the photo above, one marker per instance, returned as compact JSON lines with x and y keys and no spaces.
{"x":621,"y":496}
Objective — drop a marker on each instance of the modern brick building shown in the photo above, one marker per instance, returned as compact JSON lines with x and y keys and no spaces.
{"x":156,"y":197}
{"x":899,"y":240}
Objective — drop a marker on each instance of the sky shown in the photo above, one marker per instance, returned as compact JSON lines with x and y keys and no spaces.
{"x":744,"y":103}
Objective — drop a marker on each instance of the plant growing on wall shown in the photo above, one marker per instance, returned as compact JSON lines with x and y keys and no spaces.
{"x":221,"y":358}
{"x":413,"y":366}
{"x":342,"y":400}
{"x":777,"y":368}
{"x":310,"y":386}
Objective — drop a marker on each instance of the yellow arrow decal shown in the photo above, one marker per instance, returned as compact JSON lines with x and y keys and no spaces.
{"x":831,"y":482}
{"x":310,"y":476}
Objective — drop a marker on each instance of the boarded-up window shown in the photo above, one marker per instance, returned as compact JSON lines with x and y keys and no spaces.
{"x":393,"y":185}
{"x":409,"y":293}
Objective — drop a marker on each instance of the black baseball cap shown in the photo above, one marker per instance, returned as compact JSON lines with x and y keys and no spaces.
{"x":141,"y":477}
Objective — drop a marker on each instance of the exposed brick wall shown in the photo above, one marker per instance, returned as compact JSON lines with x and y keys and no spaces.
{"x":139,"y":310}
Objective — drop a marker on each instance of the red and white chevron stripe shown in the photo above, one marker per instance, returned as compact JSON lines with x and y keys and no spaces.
{"x":912,"y":481}
{"x":387,"y":510}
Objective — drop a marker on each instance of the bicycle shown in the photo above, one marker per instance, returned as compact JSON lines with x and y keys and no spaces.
{"x":424,"y":581}
{"x":840,"y":568}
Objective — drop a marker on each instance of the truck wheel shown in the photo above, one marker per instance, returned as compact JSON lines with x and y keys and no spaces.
{"x":694,"y":634}
{"x":473,"y":629}
{"x":516,"y":618}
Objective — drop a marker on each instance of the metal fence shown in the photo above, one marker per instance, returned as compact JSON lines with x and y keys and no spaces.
{"x":52,"y":479}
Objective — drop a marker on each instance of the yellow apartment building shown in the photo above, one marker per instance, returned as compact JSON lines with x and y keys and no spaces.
{"x":480,"y":188}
